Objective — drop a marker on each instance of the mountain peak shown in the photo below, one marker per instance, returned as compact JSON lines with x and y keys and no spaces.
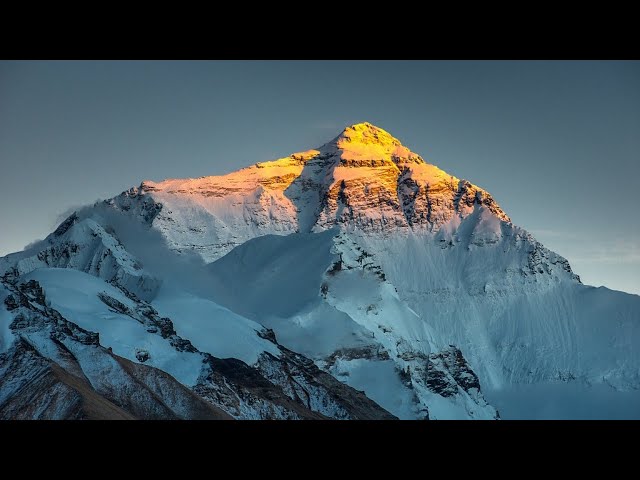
{"x":366,"y":142}
{"x":367,"y":134}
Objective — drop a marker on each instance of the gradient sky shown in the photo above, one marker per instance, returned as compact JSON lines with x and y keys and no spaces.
{"x":556,"y":143}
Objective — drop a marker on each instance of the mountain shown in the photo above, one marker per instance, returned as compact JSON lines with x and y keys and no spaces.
{"x":350,"y":281}
{"x":363,"y":180}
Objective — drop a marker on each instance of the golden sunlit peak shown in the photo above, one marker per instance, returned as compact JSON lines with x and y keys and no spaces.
{"x":367,"y":133}
{"x":365,"y":141}
{"x":364,"y":125}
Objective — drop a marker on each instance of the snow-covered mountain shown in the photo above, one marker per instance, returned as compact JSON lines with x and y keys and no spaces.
{"x":354,"y":280}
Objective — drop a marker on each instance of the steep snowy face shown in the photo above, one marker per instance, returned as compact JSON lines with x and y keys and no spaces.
{"x":341,"y":311}
{"x":75,"y":346}
{"x":363,"y":179}
{"x":85,"y":245}
{"x":108,"y":311}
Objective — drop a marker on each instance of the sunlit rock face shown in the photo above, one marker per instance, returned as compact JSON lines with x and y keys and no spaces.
{"x":363,"y":179}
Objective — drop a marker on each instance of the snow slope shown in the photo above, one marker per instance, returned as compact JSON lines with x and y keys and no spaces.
{"x":75,"y":295}
{"x":515,"y":326}
{"x":350,"y":321}
{"x":257,"y":378}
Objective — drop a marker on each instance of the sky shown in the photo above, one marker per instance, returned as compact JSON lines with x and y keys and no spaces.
{"x":557,"y":143}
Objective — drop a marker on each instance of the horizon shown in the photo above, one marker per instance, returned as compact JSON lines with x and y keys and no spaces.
{"x":64,"y":122}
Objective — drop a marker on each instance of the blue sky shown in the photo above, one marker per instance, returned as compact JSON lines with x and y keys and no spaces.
{"x":556,"y":143}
